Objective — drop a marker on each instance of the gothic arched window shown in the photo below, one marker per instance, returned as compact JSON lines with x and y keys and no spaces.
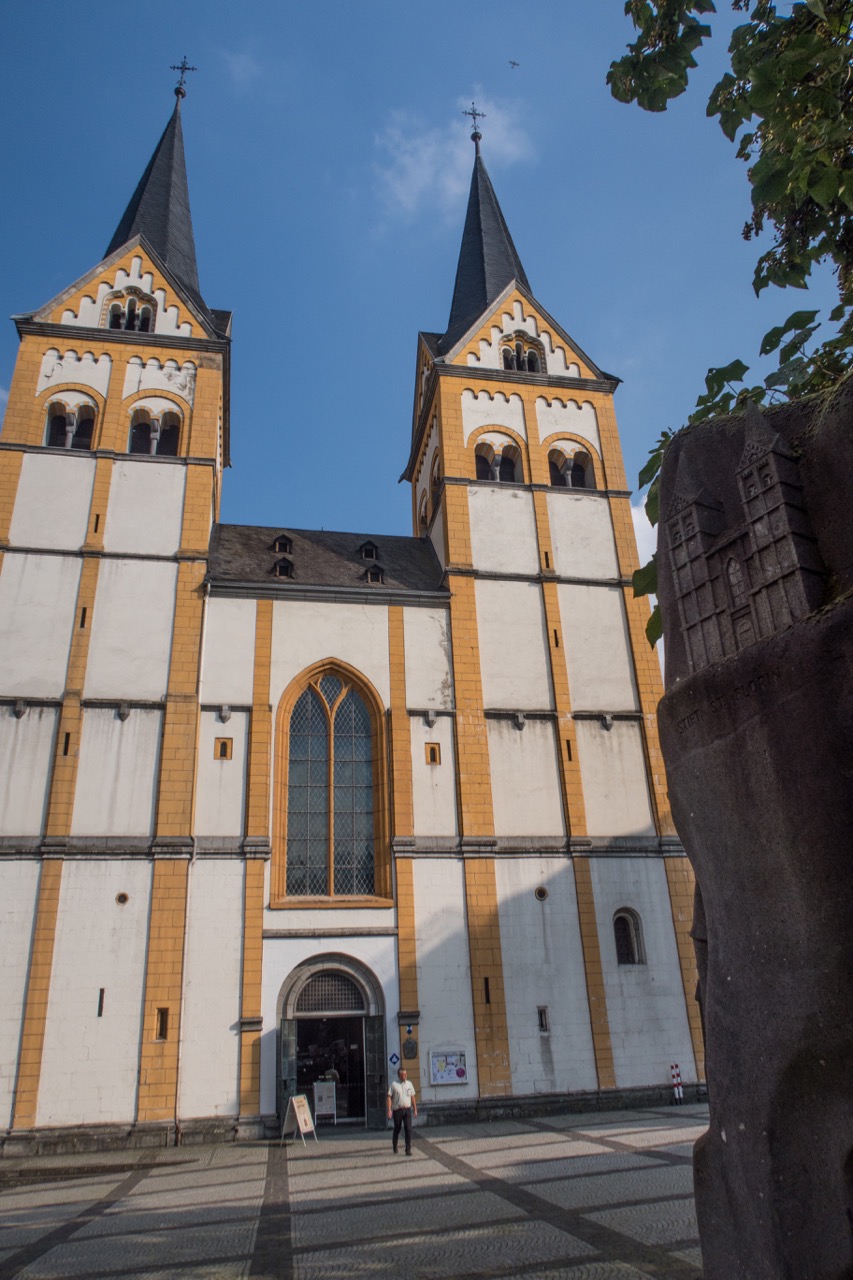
{"x":331,"y":809}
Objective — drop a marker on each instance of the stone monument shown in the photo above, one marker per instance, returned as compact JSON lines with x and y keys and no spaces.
{"x":755,"y":557}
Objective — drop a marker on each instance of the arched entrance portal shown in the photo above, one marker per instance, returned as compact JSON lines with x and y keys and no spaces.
{"x":333,"y":1028}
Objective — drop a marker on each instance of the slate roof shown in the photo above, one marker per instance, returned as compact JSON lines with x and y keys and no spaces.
{"x":488,"y":260}
{"x":159,"y":210}
{"x":245,"y":554}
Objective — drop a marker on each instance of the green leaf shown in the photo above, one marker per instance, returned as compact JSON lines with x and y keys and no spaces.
{"x":816,"y":6}
{"x":653,"y":501}
{"x":823,"y":185}
{"x":645,"y":579}
{"x":797,"y":320}
{"x":654,"y":626}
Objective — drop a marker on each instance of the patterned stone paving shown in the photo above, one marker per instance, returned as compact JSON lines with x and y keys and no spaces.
{"x":594,"y":1197}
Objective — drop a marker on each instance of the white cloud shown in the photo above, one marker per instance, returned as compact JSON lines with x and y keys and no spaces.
{"x":644,"y":532}
{"x":428,"y":167}
{"x":242,"y":68}
{"x":647,"y":541}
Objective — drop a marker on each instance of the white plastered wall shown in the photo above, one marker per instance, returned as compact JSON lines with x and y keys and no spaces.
{"x":613,"y":772}
{"x":131,"y":636}
{"x":305,"y":632}
{"x":444,"y":972}
{"x":544,"y":966}
{"x":422,"y":480}
{"x":598,"y":648}
{"x":568,"y":418}
{"x":221,"y":784}
{"x":87,"y":370}
{"x":646,"y":1010}
{"x":210,"y":1027}
{"x":526,"y":796}
{"x":433,"y":785}
{"x":426,"y":634}
{"x":52,"y":503}
{"x":38,"y":597}
{"x":151,"y":375}
{"x":436,"y":537}
{"x":503,"y":530}
{"x":481,"y":409}
{"x":227,"y":672}
{"x":117,"y":773}
{"x":89,"y":1064}
{"x":26,"y":754}
{"x":513,"y":646}
{"x":18,"y":890}
{"x":283,"y":955}
{"x":581,"y":535}
{"x":145,"y":508}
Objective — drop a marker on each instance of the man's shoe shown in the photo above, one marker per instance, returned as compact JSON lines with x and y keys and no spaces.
{"x":408,"y":1153}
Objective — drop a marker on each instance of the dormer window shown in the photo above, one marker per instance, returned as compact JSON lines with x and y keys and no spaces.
{"x":369,"y":551}
{"x":282,"y":545}
{"x":375,"y":574}
{"x":283,"y":568}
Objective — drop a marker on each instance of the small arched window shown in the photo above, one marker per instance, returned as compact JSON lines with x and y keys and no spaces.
{"x":484,"y":468}
{"x":556,"y":472}
{"x":130,"y":316}
{"x":84,"y":431}
{"x":582,"y":474}
{"x":57,"y":425}
{"x":627,"y":934}
{"x":508,"y":358}
{"x":170,"y":430}
{"x":509,"y":470}
{"x":116,"y":316}
{"x":140,"y":433}
{"x":435,"y":485}
{"x":532,"y":362}
{"x":145,"y":320}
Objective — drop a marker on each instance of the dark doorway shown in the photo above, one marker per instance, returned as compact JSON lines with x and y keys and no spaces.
{"x":333,"y":1049}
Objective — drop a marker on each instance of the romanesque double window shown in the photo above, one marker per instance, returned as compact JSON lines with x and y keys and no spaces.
{"x":69,"y":428}
{"x":331,"y":802}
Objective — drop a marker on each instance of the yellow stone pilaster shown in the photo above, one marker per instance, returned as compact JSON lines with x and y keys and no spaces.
{"x":158,"y":1061}
{"x":257,"y":828}
{"x":401,"y":742}
{"x":250,"y":996}
{"x":38,"y":992}
{"x":403,"y":826}
{"x":99,"y":504}
{"x":11,"y":462}
{"x":198,"y":510}
{"x":491,"y":1032}
{"x":599,"y":1021}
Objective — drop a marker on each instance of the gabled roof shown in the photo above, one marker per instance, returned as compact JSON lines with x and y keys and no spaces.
{"x":488,"y":260}
{"x":244,"y":554}
{"x":159,"y":209}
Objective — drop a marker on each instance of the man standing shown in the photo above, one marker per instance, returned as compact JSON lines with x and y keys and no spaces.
{"x":402,"y":1106}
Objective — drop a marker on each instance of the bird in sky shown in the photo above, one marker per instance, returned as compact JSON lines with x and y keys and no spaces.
{"x":514,"y":64}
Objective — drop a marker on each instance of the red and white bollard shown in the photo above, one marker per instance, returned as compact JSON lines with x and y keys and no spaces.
{"x":677,"y":1090}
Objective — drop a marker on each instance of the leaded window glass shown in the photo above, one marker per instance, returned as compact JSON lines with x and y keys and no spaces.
{"x":330,"y":801}
{"x":330,"y":993}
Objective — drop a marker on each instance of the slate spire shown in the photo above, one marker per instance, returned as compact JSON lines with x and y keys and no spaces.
{"x":488,"y":260}
{"x":159,"y":208}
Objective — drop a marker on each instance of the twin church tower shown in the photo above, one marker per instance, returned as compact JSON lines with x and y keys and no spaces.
{"x":280,"y":805}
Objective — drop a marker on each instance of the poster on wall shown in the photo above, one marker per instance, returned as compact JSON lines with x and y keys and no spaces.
{"x":447,"y":1066}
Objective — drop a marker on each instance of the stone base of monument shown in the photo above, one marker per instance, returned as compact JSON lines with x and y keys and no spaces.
{"x":756,"y":585}
{"x":759,"y":754}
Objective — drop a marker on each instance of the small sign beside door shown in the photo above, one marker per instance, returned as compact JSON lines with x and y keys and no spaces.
{"x":298,"y":1118}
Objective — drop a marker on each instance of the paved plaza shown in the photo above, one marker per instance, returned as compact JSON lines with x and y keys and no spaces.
{"x":596,"y":1197}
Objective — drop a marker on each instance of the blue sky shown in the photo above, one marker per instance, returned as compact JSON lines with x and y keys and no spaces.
{"x":329,"y":164}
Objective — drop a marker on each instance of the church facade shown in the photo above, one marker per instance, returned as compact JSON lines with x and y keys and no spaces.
{"x":280,"y":806}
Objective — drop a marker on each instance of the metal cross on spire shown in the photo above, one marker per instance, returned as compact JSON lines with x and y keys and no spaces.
{"x":184,"y":67}
{"x":475,"y":116}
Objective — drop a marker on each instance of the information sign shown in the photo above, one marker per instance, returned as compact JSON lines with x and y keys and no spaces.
{"x":297,"y":1118}
{"x":447,"y":1066}
{"x":325,"y":1100}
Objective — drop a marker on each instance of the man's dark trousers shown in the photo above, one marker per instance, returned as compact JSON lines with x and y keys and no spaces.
{"x":402,"y":1120}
